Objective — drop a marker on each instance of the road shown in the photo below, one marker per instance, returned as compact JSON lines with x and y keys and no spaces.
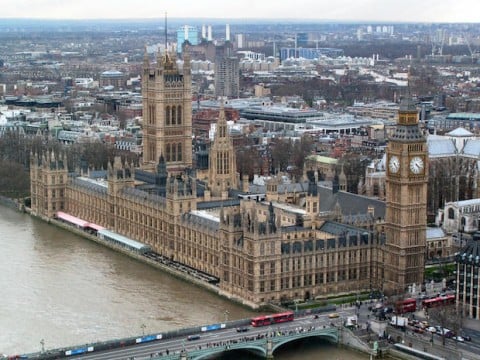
{"x":424,"y":341}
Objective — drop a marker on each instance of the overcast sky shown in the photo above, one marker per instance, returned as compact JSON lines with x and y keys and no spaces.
{"x":354,"y":10}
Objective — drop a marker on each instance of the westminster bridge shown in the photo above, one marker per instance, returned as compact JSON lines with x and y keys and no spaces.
{"x":209,"y":341}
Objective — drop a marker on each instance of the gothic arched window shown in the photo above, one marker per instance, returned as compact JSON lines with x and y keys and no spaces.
{"x":167,"y":115}
{"x":179,"y":115}
{"x":179,"y":152}
{"x":174,"y":115}
{"x":451,"y":214}
{"x":174,"y":152}
{"x":168,"y":153}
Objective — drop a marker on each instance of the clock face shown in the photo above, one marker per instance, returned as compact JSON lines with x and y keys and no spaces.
{"x":416,"y":165}
{"x":394,"y":164}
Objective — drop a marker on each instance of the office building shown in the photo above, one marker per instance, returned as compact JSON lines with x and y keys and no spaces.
{"x":186,"y":33}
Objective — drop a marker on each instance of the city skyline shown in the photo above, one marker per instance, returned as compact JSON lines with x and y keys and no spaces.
{"x":321,"y":10}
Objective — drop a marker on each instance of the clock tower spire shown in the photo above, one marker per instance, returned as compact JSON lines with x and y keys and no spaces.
{"x":406,"y":197}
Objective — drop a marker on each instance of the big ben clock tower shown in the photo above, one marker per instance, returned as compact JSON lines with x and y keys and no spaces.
{"x":406,"y":211}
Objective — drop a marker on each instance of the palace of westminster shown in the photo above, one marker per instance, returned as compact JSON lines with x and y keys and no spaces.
{"x":269,"y":247}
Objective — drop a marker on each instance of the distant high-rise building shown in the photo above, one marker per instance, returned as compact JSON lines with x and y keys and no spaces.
{"x":209,"y":33}
{"x":227,"y":71}
{"x":240,"y":40}
{"x":227,"y":32}
{"x":302,"y":39}
{"x":227,"y":76}
{"x":186,"y":33}
{"x":309,"y":53}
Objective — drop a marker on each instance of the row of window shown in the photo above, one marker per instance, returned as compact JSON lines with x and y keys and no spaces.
{"x":173,"y":115}
{"x":319,"y":245}
{"x":173,"y":152}
{"x":293,"y":282}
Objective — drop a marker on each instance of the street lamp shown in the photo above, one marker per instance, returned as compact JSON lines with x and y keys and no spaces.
{"x":226,"y":313}
{"x":296,"y":304}
{"x":42,"y":342}
{"x":143,"y":326}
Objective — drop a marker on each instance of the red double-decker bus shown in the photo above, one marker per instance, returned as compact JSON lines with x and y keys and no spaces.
{"x":407,"y":305}
{"x":266,"y":320}
{"x":439,"y":301}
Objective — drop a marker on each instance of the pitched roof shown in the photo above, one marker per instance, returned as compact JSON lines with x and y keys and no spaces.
{"x":472,"y":147}
{"x":435,"y":232}
{"x":350,"y":204}
{"x":441,"y":146}
{"x":459,"y":132}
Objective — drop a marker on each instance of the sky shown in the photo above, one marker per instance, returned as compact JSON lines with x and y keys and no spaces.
{"x":336,"y":10}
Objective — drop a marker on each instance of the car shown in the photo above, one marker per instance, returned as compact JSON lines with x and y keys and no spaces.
{"x":458,"y":338}
{"x":193,"y":337}
{"x":418,"y":330}
{"x":431,"y":329}
{"x":467,"y":337}
{"x":444,"y":331}
{"x":242,"y":329}
{"x":333,"y":315}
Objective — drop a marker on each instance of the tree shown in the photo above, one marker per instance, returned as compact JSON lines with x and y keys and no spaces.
{"x":301,"y":149}
{"x":280,"y":152}
{"x":248,"y":161}
{"x":447,"y":317}
{"x":14,"y":180}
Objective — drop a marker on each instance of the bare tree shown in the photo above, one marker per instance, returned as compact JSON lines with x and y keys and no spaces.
{"x":447,"y":317}
{"x":14,"y":180}
{"x":281,"y":152}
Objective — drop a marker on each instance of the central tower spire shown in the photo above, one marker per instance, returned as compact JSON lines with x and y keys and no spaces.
{"x":222,"y":173}
{"x":167,"y":113}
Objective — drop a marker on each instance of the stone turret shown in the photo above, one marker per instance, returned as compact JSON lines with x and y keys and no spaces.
{"x":222,"y":174}
{"x":49,"y":177}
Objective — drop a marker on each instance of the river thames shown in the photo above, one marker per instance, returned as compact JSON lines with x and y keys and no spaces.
{"x":63,"y":290}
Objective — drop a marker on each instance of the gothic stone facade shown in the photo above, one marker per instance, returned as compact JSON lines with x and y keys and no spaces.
{"x":252,"y":247}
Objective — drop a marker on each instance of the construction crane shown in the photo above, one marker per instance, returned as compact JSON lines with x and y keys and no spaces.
{"x":475,"y":54}
{"x":437,"y":42}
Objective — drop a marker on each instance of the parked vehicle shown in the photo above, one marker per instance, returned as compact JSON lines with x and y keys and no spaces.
{"x":444,"y":331}
{"x":399,"y":321}
{"x":458,"y":338}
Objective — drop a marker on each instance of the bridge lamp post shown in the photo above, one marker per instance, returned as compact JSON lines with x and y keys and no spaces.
{"x":296,"y":304}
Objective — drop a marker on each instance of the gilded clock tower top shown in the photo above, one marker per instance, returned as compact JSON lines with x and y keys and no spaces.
{"x":407,"y":129}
